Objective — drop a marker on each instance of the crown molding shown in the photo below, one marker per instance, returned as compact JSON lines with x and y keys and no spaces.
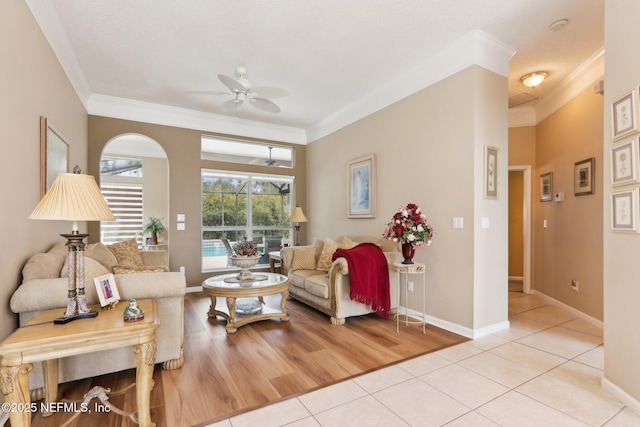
{"x":475,"y":48}
{"x":522,"y":116}
{"x":126,"y":109}
{"x":48,"y":21}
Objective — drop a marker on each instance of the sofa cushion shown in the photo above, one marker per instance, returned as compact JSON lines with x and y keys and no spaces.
{"x":304,"y":259}
{"x":92,"y":268}
{"x":347,"y":243}
{"x":42,"y":266}
{"x":127,"y":253}
{"x":124,"y":269}
{"x":324,"y":262}
{"x":297,"y":278}
{"x":102,"y":254}
{"x":318,"y":285}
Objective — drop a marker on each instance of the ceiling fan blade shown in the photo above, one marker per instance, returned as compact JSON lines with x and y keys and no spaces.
{"x":270,"y":92}
{"x":207,"y":92}
{"x":231,"y":83}
{"x":265,"y":105}
{"x":231,"y":105}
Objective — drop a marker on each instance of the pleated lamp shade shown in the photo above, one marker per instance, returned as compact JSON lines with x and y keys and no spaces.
{"x":73,"y":197}
{"x":297,"y":215}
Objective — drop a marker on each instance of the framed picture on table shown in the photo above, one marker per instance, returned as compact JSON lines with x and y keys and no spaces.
{"x":107,"y":290}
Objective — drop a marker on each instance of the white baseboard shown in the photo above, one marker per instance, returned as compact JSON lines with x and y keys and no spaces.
{"x":516,"y":278}
{"x":457,"y":329}
{"x":621,"y":395}
{"x":570,"y":309}
{"x":191,"y":289}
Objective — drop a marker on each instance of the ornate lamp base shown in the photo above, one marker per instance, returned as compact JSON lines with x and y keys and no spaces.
{"x":66,"y":319}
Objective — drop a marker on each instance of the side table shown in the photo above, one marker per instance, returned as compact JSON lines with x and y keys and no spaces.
{"x":405,"y":270}
{"x":275,"y":262}
{"x":41,"y":341}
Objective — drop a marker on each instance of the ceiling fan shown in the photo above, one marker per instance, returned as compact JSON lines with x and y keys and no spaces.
{"x":241,"y":90}
{"x":271,"y":162}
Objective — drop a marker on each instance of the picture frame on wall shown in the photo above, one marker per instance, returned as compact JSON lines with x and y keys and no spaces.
{"x":624,"y":210}
{"x":546,"y":187}
{"x":624,"y":163}
{"x":54,"y":155}
{"x":583,"y":177}
{"x":623,"y":114}
{"x":107,"y":290}
{"x":490,"y":172}
{"x":361,"y":175}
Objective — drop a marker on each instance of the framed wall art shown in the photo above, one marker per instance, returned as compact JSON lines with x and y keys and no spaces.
{"x":624,"y":210}
{"x":490,"y":172}
{"x":546,"y":187}
{"x":54,"y":155}
{"x":583,"y":177}
{"x":624,"y":163}
{"x":361,"y":174}
{"x":623,"y":114}
{"x":107,"y":290}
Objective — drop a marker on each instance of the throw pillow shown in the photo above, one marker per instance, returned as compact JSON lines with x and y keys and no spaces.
{"x":347,"y":243}
{"x":324,"y":262}
{"x":127,"y":253}
{"x":42,"y":266}
{"x":304,"y":259}
{"x":124,"y":269}
{"x":102,"y":254}
{"x":60,"y":249}
{"x":92,"y":268}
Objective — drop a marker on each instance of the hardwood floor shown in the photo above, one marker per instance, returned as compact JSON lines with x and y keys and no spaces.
{"x":263,"y":362}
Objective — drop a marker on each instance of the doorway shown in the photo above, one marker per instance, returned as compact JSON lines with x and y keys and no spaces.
{"x":520,"y":228}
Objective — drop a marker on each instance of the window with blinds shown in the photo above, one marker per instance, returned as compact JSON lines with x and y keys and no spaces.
{"x":126,"y":203}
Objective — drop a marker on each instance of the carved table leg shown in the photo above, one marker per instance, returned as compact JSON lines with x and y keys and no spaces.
{"x":283,"y":306}
{"x":231,"y":321}
{"x":145,"y":359}
{"x":50,"y":371}
{"x":14,"y":382}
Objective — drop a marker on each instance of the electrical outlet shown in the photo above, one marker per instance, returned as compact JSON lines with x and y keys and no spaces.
{"x":575,"y":285}
{"x":410,"y":286}
{"x":182,"y":269}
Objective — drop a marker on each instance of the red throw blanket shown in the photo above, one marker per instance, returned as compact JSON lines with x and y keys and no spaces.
{"x":369,"y":276}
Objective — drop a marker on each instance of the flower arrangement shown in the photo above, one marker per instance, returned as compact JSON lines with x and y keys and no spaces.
{"x":409,"y":226}
{"x":245,"y":249}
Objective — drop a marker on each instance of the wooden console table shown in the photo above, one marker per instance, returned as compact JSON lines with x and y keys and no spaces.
{"x":41,"y":341}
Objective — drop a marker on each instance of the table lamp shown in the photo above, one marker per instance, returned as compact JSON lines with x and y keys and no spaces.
{"x":297,"y":217}
{"x":74,"y":197}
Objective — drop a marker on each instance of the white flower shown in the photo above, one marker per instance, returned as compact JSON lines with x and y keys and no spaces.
{"x":420,"y":228}
{"x":405,"y":213}
{"x":411,"y":237}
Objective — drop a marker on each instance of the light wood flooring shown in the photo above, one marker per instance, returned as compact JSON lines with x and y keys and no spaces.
{"x":263,"y":362}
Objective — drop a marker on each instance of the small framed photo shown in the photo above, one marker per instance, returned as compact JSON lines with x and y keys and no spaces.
{"x":624,"y":163}
{"x":107,"y":290}
{"x":546,"y":187}
{"x":490,"y":172}
{"x":624,"y":210}
{"x":361,"y":175}
{"x":583,"y":177}
{"x":623,"y":114}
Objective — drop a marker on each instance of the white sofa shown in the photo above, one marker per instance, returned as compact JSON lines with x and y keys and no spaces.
{"x":328,"y":291}
{"x":38,"y":292}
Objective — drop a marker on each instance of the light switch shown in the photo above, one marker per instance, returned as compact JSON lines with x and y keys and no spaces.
{"x":180,"y":218}
{"x":180,"y":226}
{"x":544,"y":223}
{"x":458,"y":222}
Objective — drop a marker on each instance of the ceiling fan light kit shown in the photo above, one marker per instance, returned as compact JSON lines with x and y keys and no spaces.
{"x":533,"y":79}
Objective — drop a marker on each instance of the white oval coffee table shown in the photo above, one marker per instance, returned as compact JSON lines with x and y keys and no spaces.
{"x":245,"y":302}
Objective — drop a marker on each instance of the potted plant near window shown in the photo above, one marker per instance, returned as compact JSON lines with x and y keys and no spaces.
{"x":245,"y":256}
{"x":154,"y":227}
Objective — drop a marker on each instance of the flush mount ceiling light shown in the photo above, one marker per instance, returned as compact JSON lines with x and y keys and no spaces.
{"x":533,"y":79}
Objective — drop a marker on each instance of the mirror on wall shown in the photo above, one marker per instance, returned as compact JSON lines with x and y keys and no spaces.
{"x":134,"y":178}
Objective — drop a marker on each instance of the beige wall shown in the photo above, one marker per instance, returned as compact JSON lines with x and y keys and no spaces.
{"x":429,"y":149}
{"x":182,"y":147}
{"x":32,"y":84}
{"x":522,"y":146}
{"x":621,"y":266}
{"x":570,"y":248}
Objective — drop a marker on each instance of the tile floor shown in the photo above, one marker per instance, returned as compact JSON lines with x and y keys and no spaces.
{"x":543,"y":371}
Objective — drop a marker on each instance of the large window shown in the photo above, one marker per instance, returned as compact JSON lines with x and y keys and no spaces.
{"x":238,"y":207}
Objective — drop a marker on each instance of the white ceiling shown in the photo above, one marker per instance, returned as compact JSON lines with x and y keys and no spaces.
{"x":329,"y":55}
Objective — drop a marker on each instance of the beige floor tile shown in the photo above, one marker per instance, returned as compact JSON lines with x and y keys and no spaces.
{"x":538,"y":360}
{"x":488,"y":342}
{"x":465,"y":386}
{"x":472,"y":419}
{"x":579,"y":374}
{"x":332,"y":396}
{"x":516,"y":410}
{"x":562,"y":342}
{"x":582,"y":325}
{"x":383,"y":378}
{"x":625,"y":418}
{"x":509,"y":374}
{"x":365,"y":411}
{"x":528,"y":324}
{"x":419,"y":404}
{"x":549,"y":314}
{"x":424,"y":364}
{"x":459,"y":352}
{"x":223,"y":423}
{"x":515,"y":332}
{"x":275,"y":415}
{"x":593,"y":358}
{"x":594,"y":407}
{"x":522,"y":303}
{"x":305,"y":422}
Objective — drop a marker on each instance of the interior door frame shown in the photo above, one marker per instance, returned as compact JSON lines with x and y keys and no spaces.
{"x":526,"y":220}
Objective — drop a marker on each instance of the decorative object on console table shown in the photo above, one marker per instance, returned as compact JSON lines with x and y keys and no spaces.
{"x":410,"y":228}
{"x":154,"y":227}
{"x":297,"y":216}
{"x":74,"y":197}
{"x":245,"y":256}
